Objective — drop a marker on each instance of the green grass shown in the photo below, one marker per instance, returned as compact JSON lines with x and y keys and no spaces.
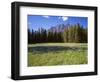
{"x":47,"y":54}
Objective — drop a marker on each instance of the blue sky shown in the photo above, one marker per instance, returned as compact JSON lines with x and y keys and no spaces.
{"x":37,"y":21}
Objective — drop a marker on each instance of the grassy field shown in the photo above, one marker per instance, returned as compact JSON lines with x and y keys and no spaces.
{"x":47,"y":54}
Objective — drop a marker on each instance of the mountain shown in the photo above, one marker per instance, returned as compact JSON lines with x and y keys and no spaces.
{"x":58,"y":28}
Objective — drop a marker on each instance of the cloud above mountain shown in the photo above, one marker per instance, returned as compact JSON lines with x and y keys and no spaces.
{"x":64,"y":18}
{"x":46,"y":16}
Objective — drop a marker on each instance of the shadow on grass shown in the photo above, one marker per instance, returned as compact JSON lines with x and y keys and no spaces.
{"x":55,"y":49}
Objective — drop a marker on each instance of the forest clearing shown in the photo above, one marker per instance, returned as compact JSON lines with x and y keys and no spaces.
{"x":57,"y":40}
{"x":47,"y":54}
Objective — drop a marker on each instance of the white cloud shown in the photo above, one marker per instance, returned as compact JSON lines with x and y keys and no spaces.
{"x":64,"y":18}
{"x":45,"y":16}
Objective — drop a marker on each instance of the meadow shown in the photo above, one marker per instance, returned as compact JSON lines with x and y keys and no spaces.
{"x":49,"y":54}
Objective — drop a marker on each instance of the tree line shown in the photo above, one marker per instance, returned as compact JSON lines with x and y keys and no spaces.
{"x":71,"y":34}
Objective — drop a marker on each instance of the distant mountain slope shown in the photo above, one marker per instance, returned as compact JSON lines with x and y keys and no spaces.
{"x":58,"y":28}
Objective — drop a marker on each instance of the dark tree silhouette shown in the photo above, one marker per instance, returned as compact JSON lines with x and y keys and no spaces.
{"x":71,"y":33}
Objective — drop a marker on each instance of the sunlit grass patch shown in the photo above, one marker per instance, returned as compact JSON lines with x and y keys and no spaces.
{"x":48,"y":54}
